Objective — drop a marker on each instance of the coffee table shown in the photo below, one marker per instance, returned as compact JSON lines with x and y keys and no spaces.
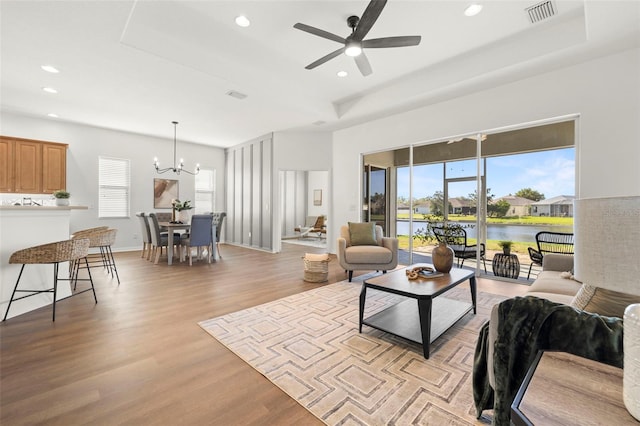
{"x":423,"y":316}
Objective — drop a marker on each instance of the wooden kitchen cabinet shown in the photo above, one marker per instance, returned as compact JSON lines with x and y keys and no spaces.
{"x":54,"y":167}
{"x":32,"y":167}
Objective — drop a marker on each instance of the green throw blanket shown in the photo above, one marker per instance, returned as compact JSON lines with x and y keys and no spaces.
{"x":527,"y":325}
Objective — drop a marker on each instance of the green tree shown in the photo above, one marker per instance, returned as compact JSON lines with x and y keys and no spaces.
{"x":530,"y":194}
{"x":498,"y":209}
{"x":437,"y":203}
{"x":473,"y":198}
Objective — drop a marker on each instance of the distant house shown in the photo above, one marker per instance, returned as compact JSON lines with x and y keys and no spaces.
{"x":422,"y":208}
{"x":460,"y":205}
{"x":403,"y":208}
{"x":560,"y":206}
{"x":518,"y":206}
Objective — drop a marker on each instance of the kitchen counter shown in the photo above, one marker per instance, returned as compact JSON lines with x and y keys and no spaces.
{"x":43,"y":207}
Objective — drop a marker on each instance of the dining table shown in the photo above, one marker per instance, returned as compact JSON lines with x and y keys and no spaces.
{"x":171,"y":227}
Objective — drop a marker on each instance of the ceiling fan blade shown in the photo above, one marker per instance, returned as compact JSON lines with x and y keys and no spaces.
{"x":400,"y":41}
{"x":319,"y":32}
{"x":325,"y":58}
{"x":369,"y":17}
{"x":363,"y":64}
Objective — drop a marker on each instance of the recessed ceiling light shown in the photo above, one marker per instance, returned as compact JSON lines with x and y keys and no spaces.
{"x":52,"y":115}
{"x":243,"y":21}
{"x":473,"y":9}
{"x":342,"y":74}
{"x":50,"y":68}
{"x":49,"y":90}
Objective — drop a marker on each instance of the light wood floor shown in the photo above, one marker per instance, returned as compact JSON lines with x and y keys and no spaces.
{"x":139,"y":357}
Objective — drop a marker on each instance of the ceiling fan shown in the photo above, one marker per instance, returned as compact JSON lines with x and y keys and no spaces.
{"x":355,"y":43}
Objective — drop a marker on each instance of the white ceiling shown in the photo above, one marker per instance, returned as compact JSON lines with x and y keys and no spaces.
{"x":137,"y":66}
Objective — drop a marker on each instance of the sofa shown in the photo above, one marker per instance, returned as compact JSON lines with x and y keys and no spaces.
{"x":564,"y":315}
{"x":553,"y":283}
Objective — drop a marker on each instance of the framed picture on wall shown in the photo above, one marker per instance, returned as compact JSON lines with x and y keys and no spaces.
{"x":164,"y":190}
{"x":317,"y":197}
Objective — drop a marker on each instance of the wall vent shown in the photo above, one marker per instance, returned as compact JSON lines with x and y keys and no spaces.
{"x":541,"y":11}
{"x":236,"y":95}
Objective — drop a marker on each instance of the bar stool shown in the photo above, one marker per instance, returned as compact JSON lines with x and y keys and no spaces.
{"x":102,"y":239}
{"x":61,"y":251}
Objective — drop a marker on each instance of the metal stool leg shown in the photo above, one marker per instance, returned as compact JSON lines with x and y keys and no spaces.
{"x":13,"y":294}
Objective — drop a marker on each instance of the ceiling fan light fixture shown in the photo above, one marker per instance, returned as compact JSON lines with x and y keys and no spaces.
{"x":473,"y":9}
{"x":342,"y":74}
{"x":353,"y":48}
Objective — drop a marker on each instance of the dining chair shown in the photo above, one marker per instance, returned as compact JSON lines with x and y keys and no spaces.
{"x":158,"y":239}
{"x":145,"y":233}
{"x":218,"y":219}
{"x":199,"y":236}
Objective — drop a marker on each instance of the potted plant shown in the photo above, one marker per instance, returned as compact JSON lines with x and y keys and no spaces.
{"x":506,"y":247}
{"x":62,"y":197}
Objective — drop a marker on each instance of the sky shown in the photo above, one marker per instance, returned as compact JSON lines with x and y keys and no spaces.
{"x":550,"y":172}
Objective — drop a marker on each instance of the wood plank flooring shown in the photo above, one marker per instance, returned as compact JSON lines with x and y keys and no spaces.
{"x":139,"y":357}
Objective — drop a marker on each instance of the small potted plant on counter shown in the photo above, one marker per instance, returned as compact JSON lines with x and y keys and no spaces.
{"x":62,"y":197}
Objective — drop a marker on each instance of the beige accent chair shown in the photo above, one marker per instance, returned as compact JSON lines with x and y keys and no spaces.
{"x":383,"y":256}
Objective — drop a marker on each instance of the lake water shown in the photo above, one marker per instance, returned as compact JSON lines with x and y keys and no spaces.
{"x":523,"y":233}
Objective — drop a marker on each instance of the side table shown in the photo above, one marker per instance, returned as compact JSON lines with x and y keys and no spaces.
{"x":506,"y":265}
{"x":564,"y":389}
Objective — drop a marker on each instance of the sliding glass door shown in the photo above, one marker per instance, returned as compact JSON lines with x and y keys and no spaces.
{"x":499,"y":186}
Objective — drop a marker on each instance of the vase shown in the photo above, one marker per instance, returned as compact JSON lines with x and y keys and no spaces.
{"x":62,"y":201}
{"x":631,"y":370}
{"x":442,"y":257}
{"x":184,"y":216}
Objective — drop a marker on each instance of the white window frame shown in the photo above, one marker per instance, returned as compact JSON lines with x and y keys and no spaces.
{"x":208,"y":190}
{"x":114,"y":187}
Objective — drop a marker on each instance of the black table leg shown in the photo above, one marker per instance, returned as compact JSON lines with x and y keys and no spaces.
{"x":472,"y":285}
{"x":363,"y":297}
{"x":424,"y":311}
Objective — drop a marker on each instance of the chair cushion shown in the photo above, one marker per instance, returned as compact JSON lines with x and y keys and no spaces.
{"x":552,"y":282}
{"x":603,"y":302}
{"x":363,"y":234}
{"x":368,"y":254}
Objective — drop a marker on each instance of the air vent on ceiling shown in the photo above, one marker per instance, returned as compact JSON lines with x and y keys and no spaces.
{"x":236,"y":95}
{"x":541,"y":11}
{"x":319,"y":123}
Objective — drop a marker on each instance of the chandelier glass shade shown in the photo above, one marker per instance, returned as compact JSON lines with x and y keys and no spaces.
{"x":177,"y":167}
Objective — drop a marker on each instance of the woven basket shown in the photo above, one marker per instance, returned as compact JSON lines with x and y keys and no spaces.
{"x":316,"y":267}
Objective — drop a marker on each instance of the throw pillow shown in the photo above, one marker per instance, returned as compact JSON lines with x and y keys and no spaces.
{"x":362,"y":234}
{"x":601,"y":301}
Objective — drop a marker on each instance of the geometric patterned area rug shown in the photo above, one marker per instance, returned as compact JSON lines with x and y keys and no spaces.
{"x":309,"y":346}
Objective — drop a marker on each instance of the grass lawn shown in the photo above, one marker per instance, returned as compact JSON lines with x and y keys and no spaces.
{"x":522,"y":220}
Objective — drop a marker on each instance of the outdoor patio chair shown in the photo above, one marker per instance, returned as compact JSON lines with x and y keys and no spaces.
{"x":550,"y":242}
{"x":456,"y":238}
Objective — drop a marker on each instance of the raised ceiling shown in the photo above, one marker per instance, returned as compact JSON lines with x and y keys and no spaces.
{"x":137,"y":66}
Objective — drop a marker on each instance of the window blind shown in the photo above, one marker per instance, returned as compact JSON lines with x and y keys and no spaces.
{"x":114,"y":187}
{"x":205,"y":191}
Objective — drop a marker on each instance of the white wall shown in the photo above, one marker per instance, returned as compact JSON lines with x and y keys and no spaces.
{"x":317,"y":180}
{"x":87,"y":143}
{"x":605,"y":93}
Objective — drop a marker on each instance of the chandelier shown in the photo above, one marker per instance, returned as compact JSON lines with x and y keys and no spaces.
{"x":177,"y":168}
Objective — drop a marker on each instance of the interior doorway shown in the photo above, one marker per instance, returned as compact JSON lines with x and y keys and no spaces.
{"x":304,"y":197}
